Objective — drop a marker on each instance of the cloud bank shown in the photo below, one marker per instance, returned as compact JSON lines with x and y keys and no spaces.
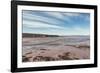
{"x":59,"y":23}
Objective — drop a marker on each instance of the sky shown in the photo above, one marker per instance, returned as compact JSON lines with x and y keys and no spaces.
{"x":55,"y":23}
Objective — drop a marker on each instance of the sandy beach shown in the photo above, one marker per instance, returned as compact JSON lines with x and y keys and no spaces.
{"x":55,"y":48}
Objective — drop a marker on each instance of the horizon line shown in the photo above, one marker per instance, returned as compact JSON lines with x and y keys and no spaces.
{"x":60,"y":35}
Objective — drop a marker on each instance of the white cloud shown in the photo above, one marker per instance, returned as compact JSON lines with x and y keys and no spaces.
{"x":41,"y":18}
{"x":34,"y":24}
{"x":71,"y":14}
{"x":54,"y":14}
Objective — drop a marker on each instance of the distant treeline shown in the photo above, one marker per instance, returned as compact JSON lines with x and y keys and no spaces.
{"x":37,"y":35}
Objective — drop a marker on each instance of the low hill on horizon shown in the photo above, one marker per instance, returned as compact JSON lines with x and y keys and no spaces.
{"x":37,"y":35}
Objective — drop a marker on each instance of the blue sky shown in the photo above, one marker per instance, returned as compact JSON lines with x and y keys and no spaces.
{"x":56,"y":23}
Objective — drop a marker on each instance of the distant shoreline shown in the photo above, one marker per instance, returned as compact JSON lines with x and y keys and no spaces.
{"x":47,"y":35}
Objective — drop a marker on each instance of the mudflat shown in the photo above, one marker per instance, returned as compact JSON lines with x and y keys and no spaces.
{"x":36,"y":49}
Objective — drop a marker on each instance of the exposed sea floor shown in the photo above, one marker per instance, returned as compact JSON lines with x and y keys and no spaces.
{"x":56,"y":48}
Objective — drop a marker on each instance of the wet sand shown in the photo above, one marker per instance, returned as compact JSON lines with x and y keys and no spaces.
{"x":55,"y":48}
